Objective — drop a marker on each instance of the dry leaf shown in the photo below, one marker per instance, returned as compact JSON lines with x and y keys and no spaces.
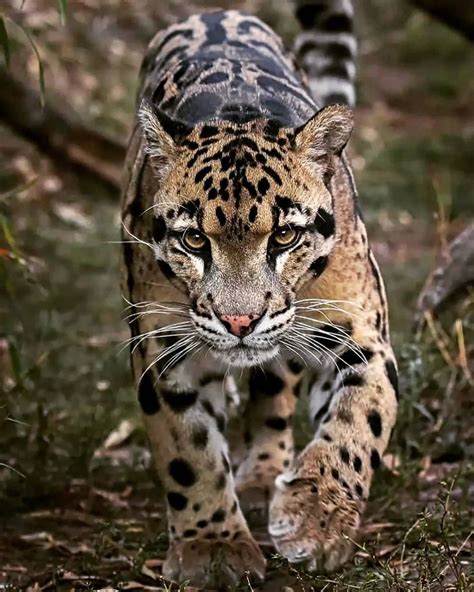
{"x":120,"y":434}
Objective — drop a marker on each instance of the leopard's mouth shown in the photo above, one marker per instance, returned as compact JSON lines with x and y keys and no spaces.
{"x":244,"y":355}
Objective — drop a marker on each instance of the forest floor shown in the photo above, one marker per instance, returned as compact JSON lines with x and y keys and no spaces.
{"x":79,"y":508}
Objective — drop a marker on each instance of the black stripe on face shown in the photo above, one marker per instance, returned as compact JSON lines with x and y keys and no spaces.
{"x":166,"y":270}
{"x":324,"y":223}
{"x":159,"y":229}
{"x":318,"y":265}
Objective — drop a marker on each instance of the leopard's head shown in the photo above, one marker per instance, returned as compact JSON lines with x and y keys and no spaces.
{"x":243,"y":217}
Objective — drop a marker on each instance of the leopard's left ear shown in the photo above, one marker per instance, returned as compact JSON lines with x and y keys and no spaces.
{"x":163,"y":135}
{"x":326,"y":133}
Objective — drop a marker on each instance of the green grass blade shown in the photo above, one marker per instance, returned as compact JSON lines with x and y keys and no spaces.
{"x":4,"y":41}
{"x":42,"y":84}
{"x":63,"y":10}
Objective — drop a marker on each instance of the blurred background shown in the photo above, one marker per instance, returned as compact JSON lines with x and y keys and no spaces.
{"x":78,"y":505}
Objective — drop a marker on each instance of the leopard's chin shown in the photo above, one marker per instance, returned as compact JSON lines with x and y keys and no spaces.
{"x":245,"y":356}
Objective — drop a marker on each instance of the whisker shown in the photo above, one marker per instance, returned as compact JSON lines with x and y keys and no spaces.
{"x":166,"y":351}
{"x":165,"y":336}
{"x":138,"y":240}
{"x":290,"y":347}
{"x":293,"y":339}
{"x":162,"y":333}
{"x":136,"y":315}
{"x":317,"y":301}
{"x":144,"y":303}
{"x":326,"y":353}
{"x":186,"y":350}
{"x":325,"y":350}
{"x":343,"y":340}
{"x":172,"y":327}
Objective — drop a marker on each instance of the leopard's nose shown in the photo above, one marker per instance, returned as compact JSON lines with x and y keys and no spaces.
{"x":240,"y":325}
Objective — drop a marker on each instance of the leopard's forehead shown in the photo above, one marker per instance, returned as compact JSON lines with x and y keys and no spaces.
{"x":235,"y":179}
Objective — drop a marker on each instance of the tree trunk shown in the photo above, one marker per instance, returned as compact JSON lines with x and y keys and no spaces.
{"x":59,"y":132}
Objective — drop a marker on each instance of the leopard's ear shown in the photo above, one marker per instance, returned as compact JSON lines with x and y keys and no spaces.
{"x":326,"y":133}
{"x":163,"y":134}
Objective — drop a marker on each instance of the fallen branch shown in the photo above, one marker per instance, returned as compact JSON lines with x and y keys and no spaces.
{"x":455,"y":272}
{"x":59,"y":132}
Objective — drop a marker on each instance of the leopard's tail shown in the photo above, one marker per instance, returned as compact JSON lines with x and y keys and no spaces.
{"x":326,"y":49}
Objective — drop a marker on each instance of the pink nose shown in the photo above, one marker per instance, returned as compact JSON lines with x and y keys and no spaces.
{"x":240,"y":325}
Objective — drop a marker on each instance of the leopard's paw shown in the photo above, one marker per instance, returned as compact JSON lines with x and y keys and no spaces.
{"x":206,"y":563}
{"x":313,"y":520}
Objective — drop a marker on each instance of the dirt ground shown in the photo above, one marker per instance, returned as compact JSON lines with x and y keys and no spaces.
{"x":79,"y":505}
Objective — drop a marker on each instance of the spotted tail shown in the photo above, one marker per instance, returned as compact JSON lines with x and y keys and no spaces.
{"x":326,"y":49}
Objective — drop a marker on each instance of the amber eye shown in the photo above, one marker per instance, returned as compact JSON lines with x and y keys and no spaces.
{"x":193,"y":240}
{"x":285,"y":236}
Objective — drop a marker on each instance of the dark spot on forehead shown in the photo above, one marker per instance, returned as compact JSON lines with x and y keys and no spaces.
{"x":253,"y":213}
{"x":263,"y":185}
{"x":221,"y":216}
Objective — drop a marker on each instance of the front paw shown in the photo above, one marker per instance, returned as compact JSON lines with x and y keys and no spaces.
{"x":206,"y":563}
{"x":314,"y":518}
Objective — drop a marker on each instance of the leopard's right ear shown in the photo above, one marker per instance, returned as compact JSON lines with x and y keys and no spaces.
{"x":162,"y":133}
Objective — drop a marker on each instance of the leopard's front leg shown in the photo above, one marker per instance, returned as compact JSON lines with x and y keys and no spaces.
{"x":185,"y":416}
{"x":317,"y":506}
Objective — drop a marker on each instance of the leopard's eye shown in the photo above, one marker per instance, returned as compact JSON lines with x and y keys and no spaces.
{"x":193,"y":240}
{"x":285,"y":236}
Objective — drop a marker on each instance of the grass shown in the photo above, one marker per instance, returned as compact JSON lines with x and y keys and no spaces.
{"x":74,"y":514}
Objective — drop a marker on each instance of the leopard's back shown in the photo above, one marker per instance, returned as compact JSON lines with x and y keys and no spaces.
{"x":224,"y":66}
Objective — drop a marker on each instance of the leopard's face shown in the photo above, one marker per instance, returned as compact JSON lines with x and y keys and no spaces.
{"x":243,"y":217}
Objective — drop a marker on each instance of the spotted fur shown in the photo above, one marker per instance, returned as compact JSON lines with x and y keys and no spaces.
{"x":230,"y":152}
